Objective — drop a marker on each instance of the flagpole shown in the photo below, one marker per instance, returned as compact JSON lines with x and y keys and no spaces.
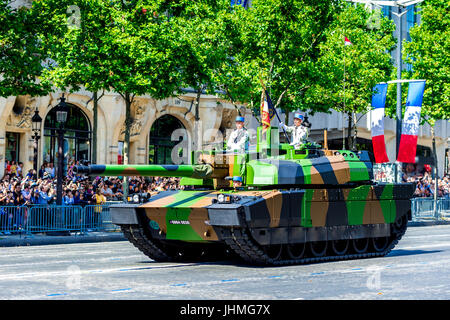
{"x":269,"y":102}
{"x":343,"y":113}
{"x":346,"y":43}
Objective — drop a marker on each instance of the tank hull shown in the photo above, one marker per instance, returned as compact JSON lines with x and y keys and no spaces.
{"x":269,"y":226}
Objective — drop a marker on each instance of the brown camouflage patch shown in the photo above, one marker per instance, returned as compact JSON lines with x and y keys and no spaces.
{"x":319,"y":213}
{"x":274,"y":202}
{"x":162,"y":202}
{"x":159,"y":216}
{"x":316,"y":177}
{"x":319,"y":207}
{"x":198,"y":220}
{"x":341,"y":169}
{"x":376,"y":214}
{"x":130,"y":171}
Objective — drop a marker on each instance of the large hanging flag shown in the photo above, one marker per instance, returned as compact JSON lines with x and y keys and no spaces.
{"x":377,"y":122}
{"x":410,"y":124}
{"x":268,"y":112}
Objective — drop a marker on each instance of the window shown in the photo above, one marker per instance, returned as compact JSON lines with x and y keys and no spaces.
{"x":77,"y":135}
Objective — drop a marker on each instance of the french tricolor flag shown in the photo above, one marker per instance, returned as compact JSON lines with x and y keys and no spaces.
{"x":377,"y":122}
{"x":410,"y":124}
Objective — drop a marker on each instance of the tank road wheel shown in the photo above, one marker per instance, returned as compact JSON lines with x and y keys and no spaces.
{"x":360,"y":245}
{"x":296,"y":250}
{"x":318,"y":248}
{"x":380,"y":244}
{"x":273,"y":251}
{"x":339,"y":247}
{"x":399,"y":226}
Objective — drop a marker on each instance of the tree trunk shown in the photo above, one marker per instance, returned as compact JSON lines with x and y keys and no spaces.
{"x":126,"y":142}
{"x":355,"y":132}
{"x":286,"y":118}
{"x":94,"y":129}
{"x":435,"y":169}
{"x":349,"y":131}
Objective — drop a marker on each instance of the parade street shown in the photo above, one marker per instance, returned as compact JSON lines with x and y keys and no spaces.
{"x":416,"y":269}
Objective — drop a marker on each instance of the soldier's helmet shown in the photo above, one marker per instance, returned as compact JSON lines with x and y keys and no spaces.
{"x":298,"y":116}
{"x":237,"y":178}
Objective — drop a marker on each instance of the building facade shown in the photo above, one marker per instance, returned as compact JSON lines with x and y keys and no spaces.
{"x":151,"y":140}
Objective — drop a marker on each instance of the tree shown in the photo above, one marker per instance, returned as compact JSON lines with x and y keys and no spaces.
{"x":346,"y":74}
{"x":71,"y":34}
{"x":21,"y":54}
{"x":274,"y":42}
{"x":428,"y":53}
{"x":125,"y":48}
{"x":203,"y":46}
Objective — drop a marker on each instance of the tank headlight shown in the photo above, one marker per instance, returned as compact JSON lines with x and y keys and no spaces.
{"x":224,"y":198}
{"x":136,"y":198}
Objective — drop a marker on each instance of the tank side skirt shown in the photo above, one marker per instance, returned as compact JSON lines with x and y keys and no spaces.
{"x":247,"y":248}
{"x":292,"y":235}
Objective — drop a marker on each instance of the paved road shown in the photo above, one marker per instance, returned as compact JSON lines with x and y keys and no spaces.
{"x":418,"y":268}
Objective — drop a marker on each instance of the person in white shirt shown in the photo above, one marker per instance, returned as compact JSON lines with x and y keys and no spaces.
{"x":239,"y":138}
{"x":299,"y":132}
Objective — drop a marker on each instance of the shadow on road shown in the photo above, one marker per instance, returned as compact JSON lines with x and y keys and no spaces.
{"x":400,"y":252}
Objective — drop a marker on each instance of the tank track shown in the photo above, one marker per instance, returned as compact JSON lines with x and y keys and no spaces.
{"x":249,"y":250}
{"x":162,"y":252}
{"x":243,"y":245}
{"x":135,"y":234}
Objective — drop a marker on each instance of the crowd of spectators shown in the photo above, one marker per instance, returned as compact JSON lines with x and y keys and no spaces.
{"x":20,"y":188}
{"x":425,"y":183}
{"x":419,"y":174}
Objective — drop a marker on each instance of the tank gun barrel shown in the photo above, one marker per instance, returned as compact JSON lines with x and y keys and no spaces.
{"x":200,"y":171}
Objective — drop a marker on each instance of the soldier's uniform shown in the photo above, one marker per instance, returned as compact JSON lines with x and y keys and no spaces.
{"x":299,"y":133}
{"x":239,"y":139}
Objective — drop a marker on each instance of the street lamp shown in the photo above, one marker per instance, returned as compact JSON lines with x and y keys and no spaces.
{"x":36,"y":121}
{"x":61,"y":118}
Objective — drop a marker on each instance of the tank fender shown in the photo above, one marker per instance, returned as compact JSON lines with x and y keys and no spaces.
{"x":225,"y":215}
{"x":124,"y":214}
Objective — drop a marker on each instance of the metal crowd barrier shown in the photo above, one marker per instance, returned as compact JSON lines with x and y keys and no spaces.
{"x":426,"y":209}
{"x":45,"y":218}
{"x":444,"y":208}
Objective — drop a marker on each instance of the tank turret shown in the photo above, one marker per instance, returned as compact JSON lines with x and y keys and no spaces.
{"x":304,"y":168}
{"x":288,"y":206}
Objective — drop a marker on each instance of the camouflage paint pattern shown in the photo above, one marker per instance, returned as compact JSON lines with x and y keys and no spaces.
{"x":184,"y":215}
{"x":324,"y":170}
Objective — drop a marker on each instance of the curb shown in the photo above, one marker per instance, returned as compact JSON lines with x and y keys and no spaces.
{"x":38,"y":239}
{"x":427,"y":223}
{"x":42,"y":239}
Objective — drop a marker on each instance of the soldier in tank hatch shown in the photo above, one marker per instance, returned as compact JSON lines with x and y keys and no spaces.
{"x":239,"y":138}
{"x":299,"y":132}
{"x":237,"y":182}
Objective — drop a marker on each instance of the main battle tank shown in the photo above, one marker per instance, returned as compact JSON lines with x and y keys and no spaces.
{"x":295,"y":206}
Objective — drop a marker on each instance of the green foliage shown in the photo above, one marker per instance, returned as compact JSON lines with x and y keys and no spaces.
{"x":357,"y":67}
{"x":429,"y":52}
{"x":201,"y":29}
{"x":21,"y":53}
{"x":114,"y":46}
{"x":274,"y":42}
